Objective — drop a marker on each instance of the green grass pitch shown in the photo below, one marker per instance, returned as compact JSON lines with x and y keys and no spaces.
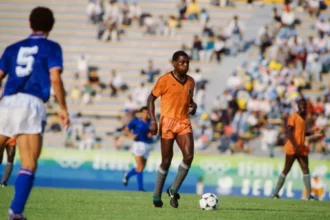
{"x":66,"y":204}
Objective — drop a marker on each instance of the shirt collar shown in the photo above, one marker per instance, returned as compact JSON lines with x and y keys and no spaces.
{"x":37,"y":36}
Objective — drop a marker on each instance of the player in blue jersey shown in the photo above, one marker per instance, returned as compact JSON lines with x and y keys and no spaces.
{"x":138,"y":130}
{"x":32,"y":66}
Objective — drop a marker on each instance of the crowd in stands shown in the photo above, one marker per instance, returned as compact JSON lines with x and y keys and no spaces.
{"x":261,"y":93}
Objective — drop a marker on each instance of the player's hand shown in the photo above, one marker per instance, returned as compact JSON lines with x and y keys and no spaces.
{"x":133,"y":136}
{"x":153,"y":128}
{"x":64,"y":115}
{"x":149,"y":135}
{"x":295,"y":149}
{"x":192,"y":108}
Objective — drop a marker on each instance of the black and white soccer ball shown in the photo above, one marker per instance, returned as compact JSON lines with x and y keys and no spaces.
{"x":209,"y":201}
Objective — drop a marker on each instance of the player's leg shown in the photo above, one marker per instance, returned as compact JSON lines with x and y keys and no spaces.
{"x":3,"y":141}
{"x":303,"y":162}
{"x":140,"y":164}
{"x":289,"y":160}
{"x":29,"y":150}
{"x":186,"y":145}
{"x":9,"y":166}
{"x":138,"y":150}
{"x":167,"y":154}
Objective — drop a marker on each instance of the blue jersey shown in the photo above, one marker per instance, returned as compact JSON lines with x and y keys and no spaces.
{"x":141,"y":129}
{"x":27,"y":64}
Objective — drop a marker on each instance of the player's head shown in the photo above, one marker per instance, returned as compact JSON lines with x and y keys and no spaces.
{"x":302,"y":105}
{"x":144,"y":112}
{"x":42,"y":20}
{"x":180,"y":61}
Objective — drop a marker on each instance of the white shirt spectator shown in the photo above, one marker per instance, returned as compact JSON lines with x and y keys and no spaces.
{"x":313,"y":4}
{"x":90,"y":9}
{"x":327,"y":109}
{"x":322,"y":26}
{"x":252,"y":120}
{"x":140,"y":95}
{"x":130,"y":105}
{"x":321,"y":121}
{"x":117,"y":81}
{"x":135,"y":11}
{"x":197,"y":77}
{"x":112,"y":11}
{"x":234,"y":81}
{"x":219,"y":45}
{"x":253,"y":105}
{"x":200,"y":98}
{"x":288,"y":18}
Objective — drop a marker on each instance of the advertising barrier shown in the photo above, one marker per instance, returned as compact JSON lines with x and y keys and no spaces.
{"x":223,"y":175}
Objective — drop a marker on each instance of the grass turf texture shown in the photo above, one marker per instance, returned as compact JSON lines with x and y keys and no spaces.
{"x":54,"y":204}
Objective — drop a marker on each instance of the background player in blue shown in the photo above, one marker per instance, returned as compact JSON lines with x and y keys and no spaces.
{"x":138,"y":130}
{"x":32,"y":66}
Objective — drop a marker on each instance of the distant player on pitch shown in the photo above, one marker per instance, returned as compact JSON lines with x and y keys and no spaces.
{"x":138,"y":130}
{"x":10,"y":148}
{"x":176,"y":90}
{"x":32,"y":66}
{"x":295,"y":149}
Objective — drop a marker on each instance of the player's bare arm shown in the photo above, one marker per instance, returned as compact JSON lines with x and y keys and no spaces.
{"x":57,"y":83}
{"x":151,"y":111}
{"x":291,"y":138}
{"x":192,"y":107}
{"x":2,"y":75}
{"x":129,"y":133}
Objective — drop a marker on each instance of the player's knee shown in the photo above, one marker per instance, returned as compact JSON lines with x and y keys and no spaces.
{"x":305,"y":170}
{"x":11,"y":159}
{"x":139,"y":168}
{"x":187,"y":159}
{"x":166,"y":163}
{"x":29,"y":165}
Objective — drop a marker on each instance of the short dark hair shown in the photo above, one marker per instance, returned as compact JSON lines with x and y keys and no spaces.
{"x":143,"y":108}
{"x":178,"y":54}
{"x":42,"y":19}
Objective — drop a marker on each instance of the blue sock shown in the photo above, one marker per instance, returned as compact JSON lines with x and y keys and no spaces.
{"x":139,"y":177}
{"x":131,"y":173}
{"x":23,"y":186}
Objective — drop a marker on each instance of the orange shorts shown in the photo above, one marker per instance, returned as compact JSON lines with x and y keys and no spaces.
{"x":170,"y":128}
{"x":11,"y":142}
{"x":302,"y":151}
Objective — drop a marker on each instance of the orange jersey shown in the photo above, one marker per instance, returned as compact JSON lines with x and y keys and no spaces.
{"x":11,"y":142}
{"x":175,"y":97}
{"x":299,"y":129}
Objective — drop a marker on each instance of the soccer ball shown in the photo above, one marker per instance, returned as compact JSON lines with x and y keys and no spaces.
{"x":209,"y":201}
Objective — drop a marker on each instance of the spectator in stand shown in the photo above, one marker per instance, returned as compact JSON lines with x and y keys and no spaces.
{"x":140,"y":95}
{"x":130,"y":105}
{"x":182,"y":9}
{"x":116,"y":83}
{"x":170,"y":27}
{"x":219,"y":48}
{"x":199,"y":79}
{"x":236,"y":30}
{"x":193,"y":11}
{"x":149,"y":25}
{"x":264,"y":39}
{"x":208,"y":50}
{"x":82,"y":68}
{"x":322,"y":26}
{"x":150,"y":71}
{"x":196,"y":48}
{"x":135,"y":11}
{"x":319,"y":106}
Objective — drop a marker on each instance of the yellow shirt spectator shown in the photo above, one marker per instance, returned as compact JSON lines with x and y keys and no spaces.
{"x":193,"y":8}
